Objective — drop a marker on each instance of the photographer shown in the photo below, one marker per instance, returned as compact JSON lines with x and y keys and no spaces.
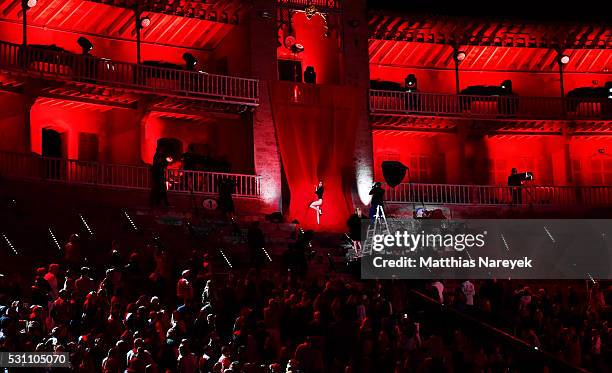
{"x":377,"y":193}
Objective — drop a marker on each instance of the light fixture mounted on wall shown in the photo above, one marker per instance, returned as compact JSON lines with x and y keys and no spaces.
{"x":459,"y":55}
{"x":297,"y":48}
{"x":85,"y":44}
{"x":190,"y":61}
{"x":144,"y":22}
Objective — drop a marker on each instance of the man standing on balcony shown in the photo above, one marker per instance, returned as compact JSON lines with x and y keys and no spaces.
{"x":515,"y":183}
{"x":159,"y":195}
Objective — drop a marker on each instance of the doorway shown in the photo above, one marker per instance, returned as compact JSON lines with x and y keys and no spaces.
{"x":52,"y":143}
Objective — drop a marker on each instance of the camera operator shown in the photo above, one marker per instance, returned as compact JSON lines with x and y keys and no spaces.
{"x":515,"y":183}
{"x":377,"y":193}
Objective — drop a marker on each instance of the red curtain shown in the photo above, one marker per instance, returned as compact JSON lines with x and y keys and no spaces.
{"x":315,"y":125}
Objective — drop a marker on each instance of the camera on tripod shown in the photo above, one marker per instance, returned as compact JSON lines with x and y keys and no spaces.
{"x":520,"y":178}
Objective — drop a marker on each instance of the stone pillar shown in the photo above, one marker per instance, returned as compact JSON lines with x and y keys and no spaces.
{"x":266,"y":155}
{"x":567,"y":156}
{"x":30,"y":95}
{"x":356,"y":73}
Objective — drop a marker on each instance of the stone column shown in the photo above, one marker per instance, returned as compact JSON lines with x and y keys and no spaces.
{"x":356,"y":73}
{"x":266,"y":155}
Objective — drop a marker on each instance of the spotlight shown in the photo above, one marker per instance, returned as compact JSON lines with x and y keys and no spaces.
{"x":227,"y":261}
{"x":144,"y":22}
{"x":297,"y":48}
{"x":310,"y":76}
{"x":86,"y":45}
{"x":289,"y":41}
{"x":266,"y":253}
{"x":460,"y":55}
{"x":264,"y":14}
{"x":564,"y":59}
{"x":85,"y":224}
{"x":54,"y":240}
{"x":507,"y":86}
{"x":190,"y":61}
{"x":10,"y":244}
{"x":130,"y":220}
{"x":410,"y":83}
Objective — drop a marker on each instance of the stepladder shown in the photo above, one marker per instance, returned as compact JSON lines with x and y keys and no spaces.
{"x":378,"y":226}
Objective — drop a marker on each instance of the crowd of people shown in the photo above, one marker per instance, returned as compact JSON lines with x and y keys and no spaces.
{"x":139,"y":310}
{"x":568,"y":319}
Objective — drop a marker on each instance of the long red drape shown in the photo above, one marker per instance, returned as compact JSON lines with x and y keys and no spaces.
{"x":316,"y":134}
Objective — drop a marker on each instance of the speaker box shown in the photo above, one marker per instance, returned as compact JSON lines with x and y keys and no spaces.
{"x":393,"y":172}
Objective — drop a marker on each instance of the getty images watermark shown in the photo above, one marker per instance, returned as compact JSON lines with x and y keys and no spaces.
{"x":528,"y":249}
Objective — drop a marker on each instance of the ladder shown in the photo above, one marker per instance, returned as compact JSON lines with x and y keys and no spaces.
{"x":380,"y":226}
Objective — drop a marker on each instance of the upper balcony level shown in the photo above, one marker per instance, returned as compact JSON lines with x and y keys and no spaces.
{"x":460,"y":61}
{"x":40,"y":62}
{"x":473,"y":106}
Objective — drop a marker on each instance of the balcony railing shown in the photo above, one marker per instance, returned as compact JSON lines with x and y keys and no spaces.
{"x":491,"y":195}
{"x":70,"y":171}
{"x":68,"y":66}
{"x":318,"y":4}
{"x":519,"y":107}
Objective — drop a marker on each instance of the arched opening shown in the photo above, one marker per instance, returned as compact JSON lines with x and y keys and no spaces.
{"x":170,"y":146}
{"x":53,"y":144}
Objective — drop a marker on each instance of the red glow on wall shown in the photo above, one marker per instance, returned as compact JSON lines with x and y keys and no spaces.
{"x":317,"y":142}
{"x":445,"y":158}
{"x":320,"y":51}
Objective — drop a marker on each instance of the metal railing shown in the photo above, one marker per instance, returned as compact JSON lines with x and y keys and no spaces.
{"x":70,"y":171}
{"x":318,"y":4}
{"x":492,"y":195}
{"x":520,"y":107}
{"x":68,"y":66}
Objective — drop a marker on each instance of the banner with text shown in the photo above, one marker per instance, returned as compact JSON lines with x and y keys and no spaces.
{"x":492,"y":248}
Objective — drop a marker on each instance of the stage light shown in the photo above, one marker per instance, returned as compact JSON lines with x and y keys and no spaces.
{"x":264,"y":14}
{"x":310,"y":76}
{"x":297,"y":48}
{"x":507,"y":86}
{"x":86,"y":45}
{"x":266,"y":253}
{"x":144,"y":22}
{"x":190,"y":61}
{"x":10,"y":244}
{"x":229,"y":264}
{"x":410,"y":83}
{"x":460,"y":55}
{"x":54,"y":240}
{"x":130,"y":220}
{"x":393,"y":172}
{"x":108,"y":64}
{"x":364,"y":182}
{"x":289,"y":41}
{"x":85,"y":224}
